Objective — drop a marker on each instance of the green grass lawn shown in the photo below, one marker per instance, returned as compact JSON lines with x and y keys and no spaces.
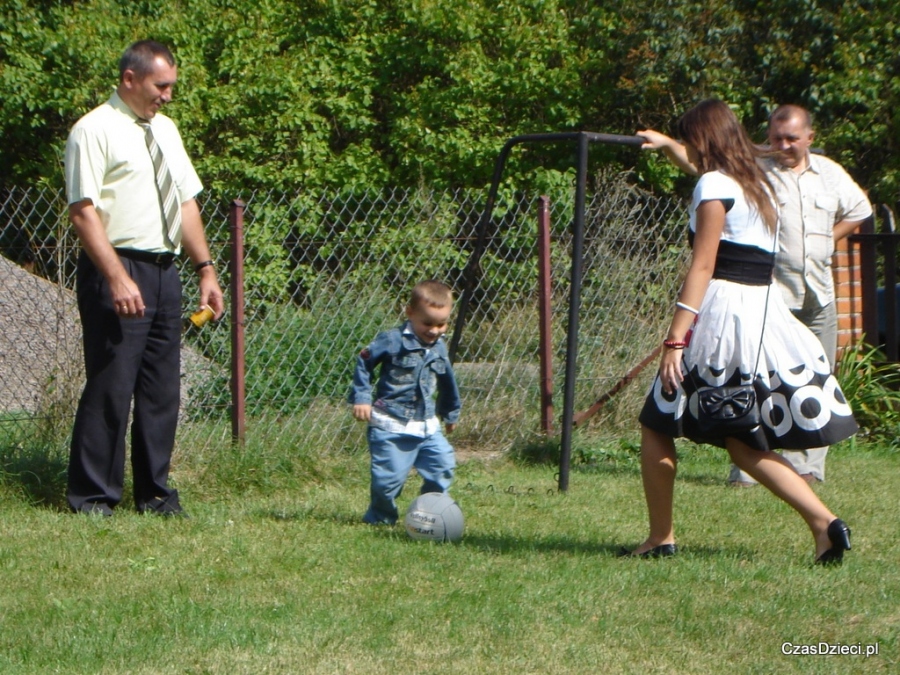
{"x":277,"y":575}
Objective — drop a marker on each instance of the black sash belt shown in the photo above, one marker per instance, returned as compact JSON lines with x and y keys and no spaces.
{"x":164,"y":260}
{"x":742,"y":264}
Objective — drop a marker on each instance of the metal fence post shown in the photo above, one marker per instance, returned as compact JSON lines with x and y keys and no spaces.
{"x":238,"y":388}
{"x":583,"y":139}
{"x":544,"y":318}
{"x":565,"y":451}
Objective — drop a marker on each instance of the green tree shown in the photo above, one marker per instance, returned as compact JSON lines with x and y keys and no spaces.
{"x":353,"y":94}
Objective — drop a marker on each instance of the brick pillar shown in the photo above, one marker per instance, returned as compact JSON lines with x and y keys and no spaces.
{"x":848,"y":294}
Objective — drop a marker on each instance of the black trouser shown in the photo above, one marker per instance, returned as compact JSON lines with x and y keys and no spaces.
{"x":127,"y":359}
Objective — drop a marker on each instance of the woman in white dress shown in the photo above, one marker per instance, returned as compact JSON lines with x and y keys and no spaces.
{"x":728,"y":329}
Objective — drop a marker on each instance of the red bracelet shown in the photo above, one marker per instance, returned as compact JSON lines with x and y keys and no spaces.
{"x":674,"y":344}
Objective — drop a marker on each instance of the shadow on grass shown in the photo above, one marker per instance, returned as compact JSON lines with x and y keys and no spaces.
{"x":36,"y":473}
{"x":506,"y":544}
{"x":510,"y":544}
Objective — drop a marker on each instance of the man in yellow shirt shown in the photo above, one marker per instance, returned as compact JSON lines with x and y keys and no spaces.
{"x":131,"y":191}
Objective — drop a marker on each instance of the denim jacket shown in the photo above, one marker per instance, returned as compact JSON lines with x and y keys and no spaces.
{"x":411,"y":374}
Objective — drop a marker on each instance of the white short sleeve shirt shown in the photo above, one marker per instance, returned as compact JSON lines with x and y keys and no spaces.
{"x":107,"y":161}
{"x":743,"y":224}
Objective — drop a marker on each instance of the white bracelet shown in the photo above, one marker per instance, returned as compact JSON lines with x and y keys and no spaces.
{"x":690,"y":309}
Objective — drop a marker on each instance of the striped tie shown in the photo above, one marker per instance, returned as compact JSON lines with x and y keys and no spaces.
{"x":168,"y":194}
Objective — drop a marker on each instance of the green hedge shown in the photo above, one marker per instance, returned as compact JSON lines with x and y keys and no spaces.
{"x":366,"y":94}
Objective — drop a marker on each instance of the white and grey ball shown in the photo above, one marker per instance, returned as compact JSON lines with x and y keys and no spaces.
{"x":434,"y":516}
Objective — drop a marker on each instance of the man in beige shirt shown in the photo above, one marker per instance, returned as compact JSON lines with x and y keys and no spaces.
{"x":131,"y":193}
{"x":819,"y":204}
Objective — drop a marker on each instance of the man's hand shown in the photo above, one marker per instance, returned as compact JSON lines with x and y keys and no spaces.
{"x":124,"y":293}
{"x":210,"y":292}
{"x":126,"y":297}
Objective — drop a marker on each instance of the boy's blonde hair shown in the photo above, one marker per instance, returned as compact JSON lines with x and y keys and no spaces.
{"x":431,"y":293}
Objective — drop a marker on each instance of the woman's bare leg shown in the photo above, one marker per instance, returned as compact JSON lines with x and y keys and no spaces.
{"x":775,"y":473}
{"x":658,"y":467}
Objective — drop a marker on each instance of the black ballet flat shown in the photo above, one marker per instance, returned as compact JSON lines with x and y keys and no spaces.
{"x":661,"y":551}
{"x":839,"y":535}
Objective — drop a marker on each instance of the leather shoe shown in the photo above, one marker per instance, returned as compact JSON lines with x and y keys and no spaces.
{"x":158,"y":506}
{"x":839,"y":536}
{"x":661,"y":551}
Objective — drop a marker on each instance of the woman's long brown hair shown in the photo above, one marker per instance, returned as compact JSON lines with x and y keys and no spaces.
{"x":722,"y":144}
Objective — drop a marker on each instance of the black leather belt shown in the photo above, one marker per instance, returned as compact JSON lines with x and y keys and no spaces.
{"x":161,"y":259}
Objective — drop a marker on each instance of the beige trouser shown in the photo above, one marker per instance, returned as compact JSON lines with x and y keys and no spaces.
{"x":811,"y":461}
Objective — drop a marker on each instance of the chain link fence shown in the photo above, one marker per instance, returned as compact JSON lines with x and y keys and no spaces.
{"x":325,"y":273}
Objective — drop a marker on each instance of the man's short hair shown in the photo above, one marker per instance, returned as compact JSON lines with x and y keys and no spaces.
{"x":139,"y":57}
{"x":789,"y":111}
{"x":432,"y":293}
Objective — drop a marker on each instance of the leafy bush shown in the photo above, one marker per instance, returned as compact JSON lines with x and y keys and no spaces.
{"x":363,"y":94}
{"x":872,"y":388}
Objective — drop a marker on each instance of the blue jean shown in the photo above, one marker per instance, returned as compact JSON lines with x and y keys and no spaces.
{"x":393,"y":456}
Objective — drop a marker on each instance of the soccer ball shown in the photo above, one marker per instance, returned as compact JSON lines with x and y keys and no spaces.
{"x":434,"y":516}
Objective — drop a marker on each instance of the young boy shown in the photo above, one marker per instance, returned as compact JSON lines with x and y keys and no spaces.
{"x":405,"y":417}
